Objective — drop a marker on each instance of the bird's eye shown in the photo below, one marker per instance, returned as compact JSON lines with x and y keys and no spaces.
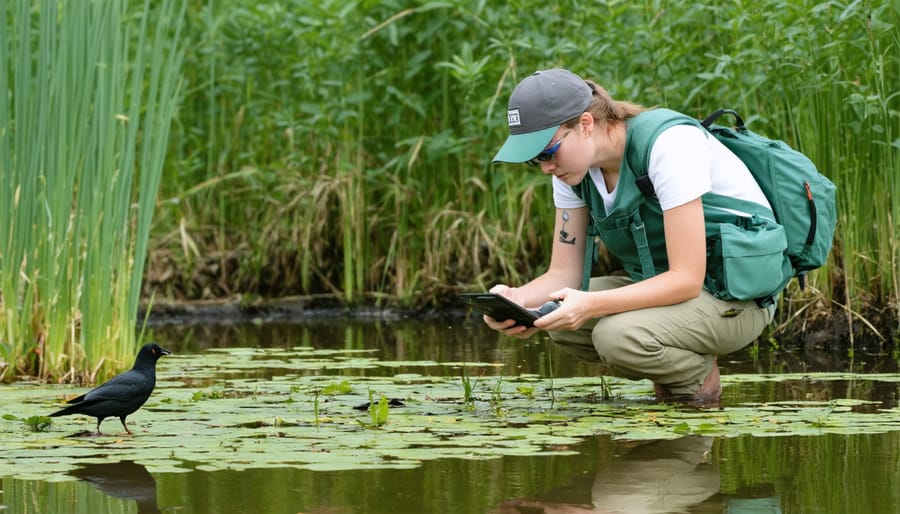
{"x":153,"y":351}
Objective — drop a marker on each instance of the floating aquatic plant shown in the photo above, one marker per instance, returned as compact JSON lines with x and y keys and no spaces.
{"x":281,"y":421}
{"x":378,"y":412}
{"x":34,"y":423}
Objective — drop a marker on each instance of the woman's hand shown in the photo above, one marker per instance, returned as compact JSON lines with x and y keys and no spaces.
{"x":573,"y":311}
{"x":508,"y":326}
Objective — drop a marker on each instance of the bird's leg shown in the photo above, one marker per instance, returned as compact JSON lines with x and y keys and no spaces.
{"x":125,"y":426}
{"x":99,"y":420}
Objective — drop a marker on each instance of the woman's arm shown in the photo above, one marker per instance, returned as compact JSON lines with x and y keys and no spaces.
{"x":686,"y":250}
{"x":565,"y":270}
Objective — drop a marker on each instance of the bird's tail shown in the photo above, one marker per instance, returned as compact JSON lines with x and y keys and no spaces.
{"x":60,"y":412}
{"x":70,"y":409}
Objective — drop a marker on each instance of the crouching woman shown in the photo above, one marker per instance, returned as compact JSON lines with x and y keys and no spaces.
{"x":679,"y":211}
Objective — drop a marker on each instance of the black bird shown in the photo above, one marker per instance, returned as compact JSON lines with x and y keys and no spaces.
{"x":122,"y":394}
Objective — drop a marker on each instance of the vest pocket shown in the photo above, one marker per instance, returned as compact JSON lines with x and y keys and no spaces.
{"x":747,"y":261}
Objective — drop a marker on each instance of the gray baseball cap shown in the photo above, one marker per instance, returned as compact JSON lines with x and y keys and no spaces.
{"x":539,"y":104}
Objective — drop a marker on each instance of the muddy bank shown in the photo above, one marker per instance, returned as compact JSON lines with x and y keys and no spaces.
{"x":287,"y":309}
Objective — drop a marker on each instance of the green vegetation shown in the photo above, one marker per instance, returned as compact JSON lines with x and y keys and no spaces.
{"x":378,"y":412}
{"x":342,"y":148}
{"x":254,"y":423}
{"x":83,"y":134}
{"x":34,"y":423}
{"x":468,"y":386}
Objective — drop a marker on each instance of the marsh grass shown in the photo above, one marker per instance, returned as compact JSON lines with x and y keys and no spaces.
{"x":468,"y":387}
{"x":82,"y":145}
{"x":370,"y":127}
{"x":342,"y":149}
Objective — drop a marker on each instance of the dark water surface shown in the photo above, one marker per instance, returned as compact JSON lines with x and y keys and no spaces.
{"x":786,"y":474}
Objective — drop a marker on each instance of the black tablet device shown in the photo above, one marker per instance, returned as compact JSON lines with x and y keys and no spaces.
{"x":500,"y":308}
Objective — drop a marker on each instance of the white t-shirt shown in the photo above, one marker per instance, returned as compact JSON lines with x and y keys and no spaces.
{"x":685,"y":163}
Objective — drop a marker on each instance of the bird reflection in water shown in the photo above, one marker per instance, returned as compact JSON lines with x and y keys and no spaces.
{"x":125,"y":480}
{"x":651,"y":478}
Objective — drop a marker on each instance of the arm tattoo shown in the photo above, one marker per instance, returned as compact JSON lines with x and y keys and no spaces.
{"x":563,"y":235}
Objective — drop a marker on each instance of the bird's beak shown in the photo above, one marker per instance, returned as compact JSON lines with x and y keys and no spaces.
{"x":165,"y":351}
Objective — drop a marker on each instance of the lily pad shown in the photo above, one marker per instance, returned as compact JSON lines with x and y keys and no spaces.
{"x":235,"y":422}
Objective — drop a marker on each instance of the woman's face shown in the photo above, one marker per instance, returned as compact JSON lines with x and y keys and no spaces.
{"x":572,"y":151}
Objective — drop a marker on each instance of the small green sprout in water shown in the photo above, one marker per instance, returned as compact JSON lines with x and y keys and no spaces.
{"x":552,"y":388}
{"x":526,"y":391}
{"x":378,"y":413}
{"x":754,"y":351}
{"x":212,"y":394}
{"x":316,"y":405}
{"x":281,"y":422}
{"x":496,"y":393}
{"x":342,"y":387}
{"x":821,"y":420}
{"x":682,"y":428}
{"x":605,"y":390}
{"x":468,"y":386}
{"x":34,"y":423}
{"x":497,"y":399}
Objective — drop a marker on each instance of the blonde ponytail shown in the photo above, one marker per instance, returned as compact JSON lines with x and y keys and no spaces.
{"x":605,"y":109}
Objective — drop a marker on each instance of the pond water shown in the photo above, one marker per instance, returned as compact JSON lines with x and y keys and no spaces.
{"x":837,"y":467}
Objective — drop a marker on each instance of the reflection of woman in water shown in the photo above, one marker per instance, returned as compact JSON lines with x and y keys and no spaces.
{"x":656,"y":477}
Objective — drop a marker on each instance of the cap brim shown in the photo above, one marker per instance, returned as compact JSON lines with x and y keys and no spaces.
{"x":522,"y":147}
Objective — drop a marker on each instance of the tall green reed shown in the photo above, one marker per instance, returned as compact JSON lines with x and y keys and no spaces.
{"x":849,"y":125}
{"x":82,"y":146}
{"x":369,"y":129}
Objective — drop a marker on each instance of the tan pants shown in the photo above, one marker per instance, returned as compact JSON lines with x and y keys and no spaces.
{"x":672,"y":345}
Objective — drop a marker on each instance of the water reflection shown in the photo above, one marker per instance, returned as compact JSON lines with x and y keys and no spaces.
{"x":124,"y":480}
{"x":650,"y":477}
{"x":845,"y":474}
{"x":850,"y":474}
{"x":413,"y":344}
{"x":458,"y":340}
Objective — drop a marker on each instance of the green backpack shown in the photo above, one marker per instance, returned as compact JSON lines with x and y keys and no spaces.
{"x":803,"y":199}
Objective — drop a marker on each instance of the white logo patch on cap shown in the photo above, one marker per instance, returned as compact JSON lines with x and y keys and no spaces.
{"x":514,"y":120}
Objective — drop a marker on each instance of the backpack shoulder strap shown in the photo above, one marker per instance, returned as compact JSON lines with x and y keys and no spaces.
{"x":641,"y":133}
{"x":738,"y":121}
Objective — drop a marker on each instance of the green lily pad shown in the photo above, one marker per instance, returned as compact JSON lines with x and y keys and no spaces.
{"x":231,"y":420}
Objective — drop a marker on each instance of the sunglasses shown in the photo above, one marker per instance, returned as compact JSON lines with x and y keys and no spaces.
{"x":549,"y":153}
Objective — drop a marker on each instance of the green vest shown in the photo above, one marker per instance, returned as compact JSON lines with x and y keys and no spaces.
{"x":739,"y":248}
